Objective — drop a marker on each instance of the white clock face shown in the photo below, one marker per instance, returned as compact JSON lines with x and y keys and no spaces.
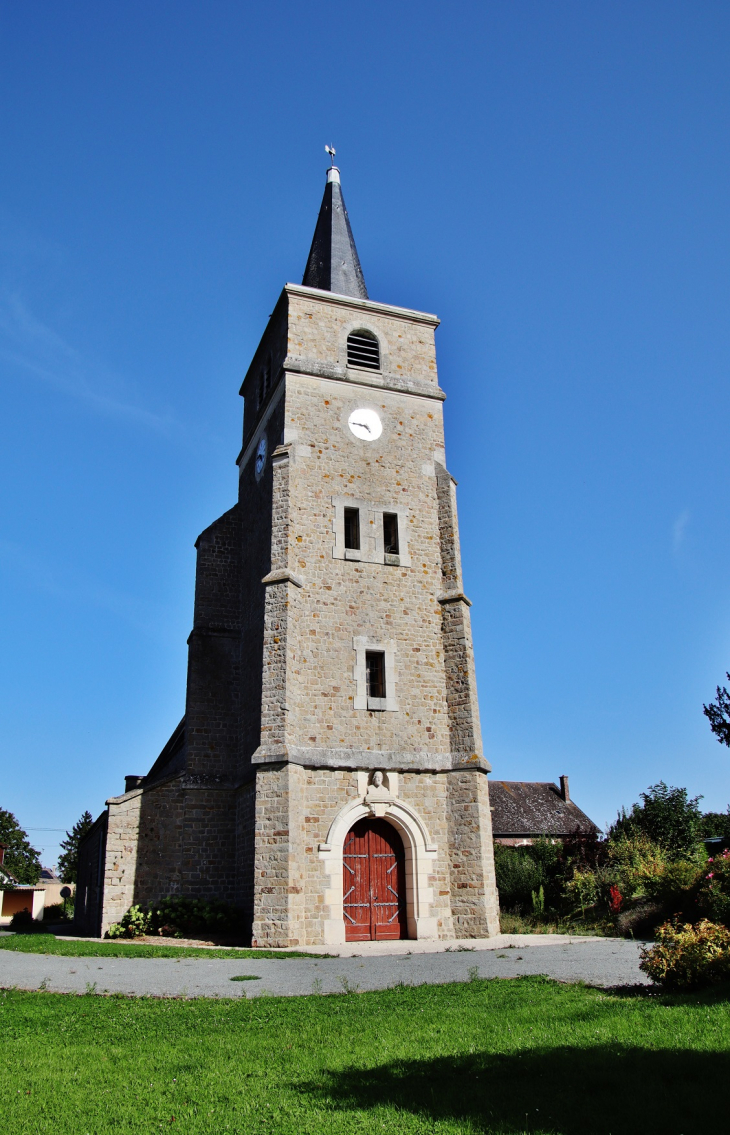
{"x":260,"y":457}
{"x":365,"y":424}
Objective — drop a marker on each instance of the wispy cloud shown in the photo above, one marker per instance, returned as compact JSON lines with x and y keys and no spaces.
{"x":41,"y":575}
{"x":35,"y":348}
{"x":679,"y":529}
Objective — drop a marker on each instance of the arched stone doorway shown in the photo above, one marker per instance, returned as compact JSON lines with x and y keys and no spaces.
{"x":420,"y":853}
{"x":374,"y":882}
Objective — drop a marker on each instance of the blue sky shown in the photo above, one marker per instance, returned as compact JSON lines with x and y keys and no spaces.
{"x":551,"y":179}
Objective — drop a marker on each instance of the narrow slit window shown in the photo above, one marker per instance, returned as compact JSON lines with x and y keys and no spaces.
{"x":363,"y":350}
{"x":352,"y":528}
{"x":375,"y":673}
{"x":390,"y":533}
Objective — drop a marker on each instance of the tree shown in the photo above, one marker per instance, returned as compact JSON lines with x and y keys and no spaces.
{"x":667,"y":816}
{"x":718,"y":714}
{"x":716,"y":824}
{"x":68,"y":863}
{"x":21,"y":860}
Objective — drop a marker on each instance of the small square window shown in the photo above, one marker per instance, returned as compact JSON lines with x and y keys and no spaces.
{"x":390,"y":533}
{"x":375,"y":673}
{"x":352,"y":528}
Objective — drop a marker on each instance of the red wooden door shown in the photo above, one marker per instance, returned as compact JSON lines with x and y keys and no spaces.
{"x":374,"y":882}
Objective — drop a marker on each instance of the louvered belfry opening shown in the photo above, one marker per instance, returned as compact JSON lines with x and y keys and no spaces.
{"x":363,"y":350}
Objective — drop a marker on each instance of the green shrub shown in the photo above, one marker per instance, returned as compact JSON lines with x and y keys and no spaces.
{"x":23,"y":922}
{"x":176,"y":916}
{"x":521,"y":872}
{"x":675,"y":885}
{"x":715,"y":824}
{"x":633,"y":860}
{"x":687,"y":956}
{"x":582,"y":888}
{"x":59,"y":911}
{"x":713,"y":897}
{"x":134,"y":924}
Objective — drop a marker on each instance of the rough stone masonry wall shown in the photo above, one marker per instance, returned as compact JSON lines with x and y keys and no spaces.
{"x":89,"y":879}
{"x":474,"y":900}
{"x":213,"y":703}
{"x":427,"y":792}
{"x":120,"y":861}
{"x":317,"y":605}
{"x":257,"y":508}
{"x":279,"y":865}
{"x":344,"y":599}
{"x":245,"y":848}
{"x":324,"y":793}
{"x":171,"y":839}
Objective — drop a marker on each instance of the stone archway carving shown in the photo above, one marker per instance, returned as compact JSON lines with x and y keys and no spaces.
{"x":420,"y":854}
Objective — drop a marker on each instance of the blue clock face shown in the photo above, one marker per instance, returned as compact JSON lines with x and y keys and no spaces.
{"x":260,"y":457}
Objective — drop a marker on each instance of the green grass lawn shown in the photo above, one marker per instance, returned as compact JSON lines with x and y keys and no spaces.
{"x":521,"y":1055}
{"x":100,"y":948}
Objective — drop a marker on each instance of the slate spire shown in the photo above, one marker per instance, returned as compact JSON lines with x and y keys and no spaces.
{"x":333,"y":264}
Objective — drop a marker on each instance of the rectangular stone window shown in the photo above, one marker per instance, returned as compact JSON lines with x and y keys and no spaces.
{"x":366,"y":531}
{"x":390,"y":533}
{"x":374,"y":674}
{"x":352,"y":529}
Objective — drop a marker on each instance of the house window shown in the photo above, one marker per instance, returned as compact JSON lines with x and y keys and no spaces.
{"x":390,"y":533}
{"x":363,"y":350}
{"x":352,"y":528}
{"x":375,"y":674}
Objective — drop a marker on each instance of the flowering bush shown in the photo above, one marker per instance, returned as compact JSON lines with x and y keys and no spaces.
{"x":713,"y":897}
{"x":686,"y":956}
{"x":615,"y":899}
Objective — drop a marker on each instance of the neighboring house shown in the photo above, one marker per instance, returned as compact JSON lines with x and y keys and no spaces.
{"x":523,"y":811}
{"x":55,"y":888}
{"x":19,"y":897}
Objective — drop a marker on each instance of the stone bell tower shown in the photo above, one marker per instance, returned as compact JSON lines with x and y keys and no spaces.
{"x":369,"y":711}
{"x":328,"y":776}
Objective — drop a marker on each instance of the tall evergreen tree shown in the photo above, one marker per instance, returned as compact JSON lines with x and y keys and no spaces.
{"x":68,"y":863}
{"x":21,"y":860}
{"x":718,"y":714}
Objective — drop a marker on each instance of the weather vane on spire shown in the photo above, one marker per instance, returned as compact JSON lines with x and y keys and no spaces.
{"x":331,"y":151}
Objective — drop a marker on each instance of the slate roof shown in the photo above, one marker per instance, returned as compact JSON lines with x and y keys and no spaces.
{"x":333,"y":264}
{"x":535,"y":808}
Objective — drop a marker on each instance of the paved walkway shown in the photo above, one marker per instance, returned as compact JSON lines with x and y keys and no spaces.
{"x":597,"y":961}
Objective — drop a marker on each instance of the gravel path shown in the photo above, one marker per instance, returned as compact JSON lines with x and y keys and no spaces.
{"x":603,"y":961}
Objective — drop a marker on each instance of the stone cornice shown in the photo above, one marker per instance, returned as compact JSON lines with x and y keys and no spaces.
{"x":403,"y":761}
{"x":316,"y":368}
{"x":283,"y":576}
{"x":362,"y":305}
{"x":455,"y":596}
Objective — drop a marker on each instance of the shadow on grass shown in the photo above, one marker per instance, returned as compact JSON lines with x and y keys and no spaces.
{"x":605,"y":1090}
